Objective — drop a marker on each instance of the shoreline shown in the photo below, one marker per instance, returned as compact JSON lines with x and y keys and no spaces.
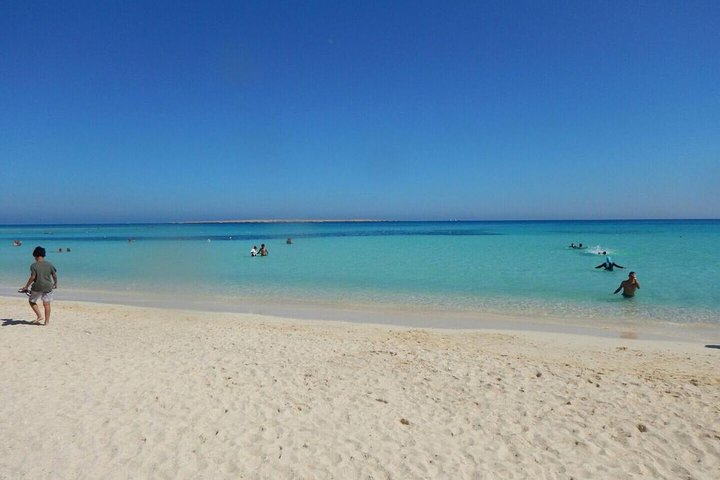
{"x":108,"y":391}
{"x":399,"y":316}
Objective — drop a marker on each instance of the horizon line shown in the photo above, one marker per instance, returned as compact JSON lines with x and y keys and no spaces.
{"x":357,"y":220}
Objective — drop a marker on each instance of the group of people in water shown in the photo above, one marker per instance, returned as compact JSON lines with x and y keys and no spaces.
{"x":18,"y":243}
{"x":628,"y":286}
{"x":263,"y":251}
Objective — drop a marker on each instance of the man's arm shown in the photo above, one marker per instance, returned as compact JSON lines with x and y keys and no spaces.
{"x":30,"y":281}
{"x":54,"y":277}
{"x":618,"y":289}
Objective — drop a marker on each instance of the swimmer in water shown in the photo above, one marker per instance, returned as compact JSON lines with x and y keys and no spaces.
{"x":629,"y":286}
{"x":608,"y":264}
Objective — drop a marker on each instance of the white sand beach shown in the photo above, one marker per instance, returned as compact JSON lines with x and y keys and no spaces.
{"x":118,"y":392}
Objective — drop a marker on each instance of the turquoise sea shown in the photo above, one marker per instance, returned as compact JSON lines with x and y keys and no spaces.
{"x":471,"y":268}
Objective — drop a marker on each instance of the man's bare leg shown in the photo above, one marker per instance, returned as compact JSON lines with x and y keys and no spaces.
{"x":46,"y":306}
{"x":36,"y":309}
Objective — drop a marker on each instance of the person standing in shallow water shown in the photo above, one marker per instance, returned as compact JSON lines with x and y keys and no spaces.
{"x":608,"y":264}
{"x":263,"y":250}
{"x":629,"y":286}
{"x":43,"y":277}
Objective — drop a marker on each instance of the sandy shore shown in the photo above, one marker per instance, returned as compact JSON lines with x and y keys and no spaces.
{"x":127,"y":392}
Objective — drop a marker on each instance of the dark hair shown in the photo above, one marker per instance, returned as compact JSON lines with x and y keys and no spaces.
{"x":39,"y":252}
{"x":631,"y":273}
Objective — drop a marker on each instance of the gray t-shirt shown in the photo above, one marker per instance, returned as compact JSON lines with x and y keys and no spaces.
{"x":43,"y":276}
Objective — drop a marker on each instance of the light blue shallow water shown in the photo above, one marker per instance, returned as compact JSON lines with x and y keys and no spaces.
{"x":521,"y":268}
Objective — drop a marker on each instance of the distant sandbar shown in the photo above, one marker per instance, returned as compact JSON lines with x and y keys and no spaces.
{"x":289,"y":220}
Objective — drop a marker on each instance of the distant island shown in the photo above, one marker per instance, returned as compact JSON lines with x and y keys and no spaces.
{"x":290,"y":220}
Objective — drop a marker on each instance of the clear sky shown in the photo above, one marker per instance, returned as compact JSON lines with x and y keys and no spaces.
{"x":125,"y":111}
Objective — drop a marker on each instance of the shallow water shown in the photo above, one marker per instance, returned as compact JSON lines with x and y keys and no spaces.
{"x":522,"y":268}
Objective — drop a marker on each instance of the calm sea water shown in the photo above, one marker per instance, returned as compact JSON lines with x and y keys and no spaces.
{"x":521,"y":268}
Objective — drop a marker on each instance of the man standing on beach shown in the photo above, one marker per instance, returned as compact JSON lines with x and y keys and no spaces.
{"x":629,"y":286}
{"x":43,"y":277}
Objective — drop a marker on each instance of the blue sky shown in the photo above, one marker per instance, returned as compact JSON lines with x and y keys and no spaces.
{"x":125,"y":111}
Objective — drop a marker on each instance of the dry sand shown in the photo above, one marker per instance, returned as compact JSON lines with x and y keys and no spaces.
{"x":124,"y":392}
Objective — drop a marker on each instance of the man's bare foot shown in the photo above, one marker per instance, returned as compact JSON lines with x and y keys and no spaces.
{"x":38,"y":321}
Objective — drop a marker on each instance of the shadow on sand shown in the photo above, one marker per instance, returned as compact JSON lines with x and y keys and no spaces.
{"x":6,"y":322}
{"x":712,"y":346}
